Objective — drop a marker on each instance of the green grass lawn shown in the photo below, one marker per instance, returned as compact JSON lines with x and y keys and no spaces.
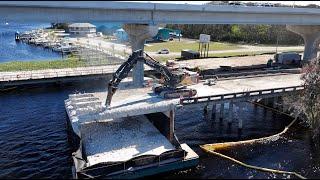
{"x":38,"y":65}
{"x":177,"y":46}
{"x":73,"y":62}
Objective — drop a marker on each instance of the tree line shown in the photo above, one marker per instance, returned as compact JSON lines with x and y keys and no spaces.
{"x":262,"y":34}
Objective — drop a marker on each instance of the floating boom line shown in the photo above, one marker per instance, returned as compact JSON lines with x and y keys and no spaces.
{"x":212,"y":148}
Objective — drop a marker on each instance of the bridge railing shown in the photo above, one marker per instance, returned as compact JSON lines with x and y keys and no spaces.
{"x":56,"y":73}
{"x":229,"y":96}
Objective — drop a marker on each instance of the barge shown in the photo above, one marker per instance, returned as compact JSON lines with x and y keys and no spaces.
{"x":134,"y":139}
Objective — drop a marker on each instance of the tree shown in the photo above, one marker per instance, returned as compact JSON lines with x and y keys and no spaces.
{"x":311,"y":6}
{"x":306,"y":104}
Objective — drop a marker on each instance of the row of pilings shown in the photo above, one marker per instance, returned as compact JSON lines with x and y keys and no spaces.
{"x":227,"y":110}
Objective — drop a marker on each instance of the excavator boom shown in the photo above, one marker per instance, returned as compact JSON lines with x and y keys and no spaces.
{"x":171,"y":80}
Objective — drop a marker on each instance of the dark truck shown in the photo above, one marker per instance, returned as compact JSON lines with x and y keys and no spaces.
{"x":289,"y":58}
{"x":189,"y":54}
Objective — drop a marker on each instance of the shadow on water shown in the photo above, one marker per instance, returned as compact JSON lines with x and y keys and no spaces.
{"x":34,"y":144}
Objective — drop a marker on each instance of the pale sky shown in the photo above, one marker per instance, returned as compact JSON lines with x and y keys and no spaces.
{"x":203,"y":2}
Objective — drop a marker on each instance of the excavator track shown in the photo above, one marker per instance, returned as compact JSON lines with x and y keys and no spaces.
{"x":172,"y":94}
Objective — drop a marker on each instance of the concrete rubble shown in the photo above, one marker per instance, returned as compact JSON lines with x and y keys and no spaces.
{"x":122,"y":139}
{"x":116,"y":139}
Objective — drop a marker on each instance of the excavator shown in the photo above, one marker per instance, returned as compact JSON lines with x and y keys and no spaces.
{"x":174,"y":85}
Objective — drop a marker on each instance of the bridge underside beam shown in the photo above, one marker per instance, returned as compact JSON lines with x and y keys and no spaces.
{"x":159,"y":15}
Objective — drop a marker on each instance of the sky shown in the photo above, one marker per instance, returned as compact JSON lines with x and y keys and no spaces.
{"x":203,"y":2}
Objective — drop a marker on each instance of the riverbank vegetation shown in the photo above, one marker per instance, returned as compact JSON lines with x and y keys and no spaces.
{"x":306,"y":104}
{"x":262,"y":34}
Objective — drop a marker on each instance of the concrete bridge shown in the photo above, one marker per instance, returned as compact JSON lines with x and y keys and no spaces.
{"x":141,"y":20}
{"x":90,"y":107}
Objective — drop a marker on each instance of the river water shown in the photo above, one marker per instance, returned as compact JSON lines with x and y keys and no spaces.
{"x":34,"y":144}
{"x":10,"y":50}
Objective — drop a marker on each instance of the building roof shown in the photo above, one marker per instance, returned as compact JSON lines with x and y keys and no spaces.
{"x":62,"y":34}
{"x":120,"y":29}
{"x":81,"y":25}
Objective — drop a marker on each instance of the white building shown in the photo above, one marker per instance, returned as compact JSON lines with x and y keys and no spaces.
{"x":82,"y":29}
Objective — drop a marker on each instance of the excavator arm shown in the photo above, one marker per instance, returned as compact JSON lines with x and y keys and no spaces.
{"x":171,"y":79}
{"x":121,"y":73}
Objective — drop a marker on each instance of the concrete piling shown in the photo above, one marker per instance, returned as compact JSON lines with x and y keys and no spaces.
{"x":209,"y":112}
{"x":171,"y":125}
{"x":275,"y":102}
{"x":231,"y":113}
{"x":213,"y":116}
{"x":221,"y":111}
{"x":239,"y":118}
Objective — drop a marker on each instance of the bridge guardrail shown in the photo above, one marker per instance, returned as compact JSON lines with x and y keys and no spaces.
{"x":31,"y":75}
{"x":53,"y":74}
{"x":203,"y":99}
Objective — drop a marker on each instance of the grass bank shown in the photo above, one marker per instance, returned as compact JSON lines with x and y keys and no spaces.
{"x":70,"y":62}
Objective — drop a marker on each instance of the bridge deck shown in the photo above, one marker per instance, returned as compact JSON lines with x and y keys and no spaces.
{"x":132,"y":102}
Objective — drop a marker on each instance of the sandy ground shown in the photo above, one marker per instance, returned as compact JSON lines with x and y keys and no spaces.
{"x":202,"y":63}
{"x":213,"y":63}
{"x":118,"y":47}
{"x":243,"y":48}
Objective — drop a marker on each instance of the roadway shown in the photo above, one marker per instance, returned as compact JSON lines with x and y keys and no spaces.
{"x":242,"y":49}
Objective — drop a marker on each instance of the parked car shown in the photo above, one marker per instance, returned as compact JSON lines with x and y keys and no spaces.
{"x":237,"y":4}
{"x":267,"y":5}
{"x":264,"y":5}
{"x":163,"y":51}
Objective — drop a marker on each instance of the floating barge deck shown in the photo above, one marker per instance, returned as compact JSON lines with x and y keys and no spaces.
{"x":122,"y":142}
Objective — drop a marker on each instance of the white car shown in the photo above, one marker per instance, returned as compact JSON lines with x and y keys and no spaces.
{"x":163,"y":51}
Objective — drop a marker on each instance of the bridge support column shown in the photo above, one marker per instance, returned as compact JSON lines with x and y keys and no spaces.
{"x":231,"y":114}
{"x":311,"y":37}
{"x":138,"y":33}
